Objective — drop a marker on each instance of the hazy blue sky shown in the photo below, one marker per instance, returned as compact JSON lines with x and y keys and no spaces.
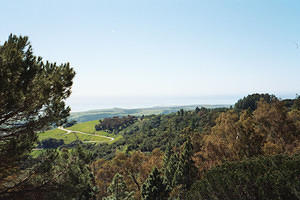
{"x":134,"y":53}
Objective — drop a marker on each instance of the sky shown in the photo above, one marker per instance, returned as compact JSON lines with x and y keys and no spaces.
{"x":142,"y":53}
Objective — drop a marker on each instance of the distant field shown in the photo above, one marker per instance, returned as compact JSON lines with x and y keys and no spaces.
{"x":86,"y":127}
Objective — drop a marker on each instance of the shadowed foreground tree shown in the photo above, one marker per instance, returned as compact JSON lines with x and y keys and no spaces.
{"x":68,"y":176}
{"x":63,"y":174}
{"x":32,"y":95}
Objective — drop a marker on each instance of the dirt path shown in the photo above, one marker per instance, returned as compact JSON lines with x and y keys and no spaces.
{"x":70,"y":131}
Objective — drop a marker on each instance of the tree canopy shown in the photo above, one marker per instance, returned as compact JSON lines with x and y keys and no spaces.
{"x":250,"y":101}
{"x":32,"y":98}
{"x":263,"y":177}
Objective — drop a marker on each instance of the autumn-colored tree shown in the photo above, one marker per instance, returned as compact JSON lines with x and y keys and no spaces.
{"x":270,"y":129}
{"x":217,"y":145}
{"x":135,"y":169}
{"x":279,"y":129}
{"x":104,"y":171}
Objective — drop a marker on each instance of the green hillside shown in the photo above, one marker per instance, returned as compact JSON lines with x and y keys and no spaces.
{"x":105,"y":113}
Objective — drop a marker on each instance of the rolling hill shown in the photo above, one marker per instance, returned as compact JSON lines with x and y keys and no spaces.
{"x":104,"y":113}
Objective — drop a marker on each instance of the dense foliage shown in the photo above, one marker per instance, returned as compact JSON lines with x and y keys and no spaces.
{"x":50,"y":143}
{"x":54,"y":174}
{"x":269,"y":178}
{"x":157,"y":131}
{"x":200,"y":140}
{"x":154,"y":188}
{"x":270,"y":129}
{"x":118,"y":189}
{"x":135,"y":169}
{"x":250,"y":101}
{"x":115,"y":124}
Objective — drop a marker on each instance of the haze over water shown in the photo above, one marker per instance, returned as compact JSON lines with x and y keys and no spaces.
{"x":91,"y":103}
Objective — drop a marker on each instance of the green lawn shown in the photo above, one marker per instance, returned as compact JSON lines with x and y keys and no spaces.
{"x":68,"y":138}
{"x":86,"y":127}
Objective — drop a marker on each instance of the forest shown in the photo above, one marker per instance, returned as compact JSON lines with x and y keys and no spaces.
{"x":248,"y":151}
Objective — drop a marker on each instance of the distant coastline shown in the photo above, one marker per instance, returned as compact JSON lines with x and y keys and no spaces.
{"x":91,"y":103}
{"x":97,"y":114}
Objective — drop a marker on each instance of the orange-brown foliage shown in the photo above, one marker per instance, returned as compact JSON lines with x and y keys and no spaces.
{"x":135,"y":168}
{"x":270,"y":129}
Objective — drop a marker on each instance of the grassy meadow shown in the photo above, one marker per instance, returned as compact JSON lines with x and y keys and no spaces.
{"x":85,"y":127}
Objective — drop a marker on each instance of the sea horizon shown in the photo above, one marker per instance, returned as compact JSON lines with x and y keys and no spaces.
{"x":87,"y":103}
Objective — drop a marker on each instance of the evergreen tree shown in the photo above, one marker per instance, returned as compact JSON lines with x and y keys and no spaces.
{"x":78,"y":180}
{"x":167,"y":155}
{"x":155,"y":187}
{"x":251,"y":101}
{"x":170,"y":165}
{"x":32,"y":98}
{"x":186,"y":171}
{"x":118,"y":189}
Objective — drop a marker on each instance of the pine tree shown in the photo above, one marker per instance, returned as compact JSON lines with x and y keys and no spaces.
{"x":32,"y":98}
{"x":155,"y":187}
{"x":118,"y":189}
